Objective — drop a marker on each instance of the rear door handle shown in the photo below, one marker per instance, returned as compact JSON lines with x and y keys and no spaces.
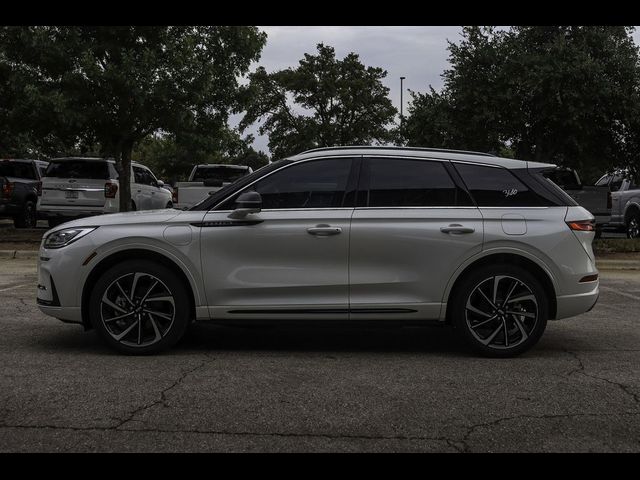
{"x":456,"y":229}
{"x":324,"y":230}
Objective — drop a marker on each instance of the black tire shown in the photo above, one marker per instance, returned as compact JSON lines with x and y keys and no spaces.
{"x":147,"y":334}
{"x":169,"y":205}
{"x":633,"y":225}
{"x":522,"y":332}
{"x":598,"y":234}
{"x":133,"y":206}
{"x":54,"y":222}
{"x":28,"y":218}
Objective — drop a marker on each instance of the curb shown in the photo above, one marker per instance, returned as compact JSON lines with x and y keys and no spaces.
{"x":19,"y":254}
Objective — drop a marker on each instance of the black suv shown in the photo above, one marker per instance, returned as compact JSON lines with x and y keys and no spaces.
{"x":20,"y":185}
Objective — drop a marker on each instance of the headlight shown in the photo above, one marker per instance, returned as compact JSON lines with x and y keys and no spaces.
{"x":64,"y":237}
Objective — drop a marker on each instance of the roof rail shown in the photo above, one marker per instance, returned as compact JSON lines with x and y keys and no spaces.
{"x":380,"y":147}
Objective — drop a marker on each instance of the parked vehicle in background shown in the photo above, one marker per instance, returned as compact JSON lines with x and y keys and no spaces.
{"x":625,"y":202}
{"x":20,"y":185}
{"x":204,"y":180}
{"x":396,"y":235}
{"x":77,"y":187}
{"x":597,"y":199}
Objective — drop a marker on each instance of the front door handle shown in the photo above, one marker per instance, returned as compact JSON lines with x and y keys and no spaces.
{"x":456,"y":229}
{"x":324,"y":230}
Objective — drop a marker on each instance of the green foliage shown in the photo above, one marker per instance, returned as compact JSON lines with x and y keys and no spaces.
{"x":562,"y":94}
{"x":173,"y":156}
{"x":114,"y":86}
{"x":337,"y":102}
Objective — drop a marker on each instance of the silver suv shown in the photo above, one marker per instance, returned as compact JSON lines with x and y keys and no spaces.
{"x":485,"y":244}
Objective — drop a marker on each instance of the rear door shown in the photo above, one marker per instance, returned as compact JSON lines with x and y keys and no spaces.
{"x":413,"y":226}
{"x":75,"y":182}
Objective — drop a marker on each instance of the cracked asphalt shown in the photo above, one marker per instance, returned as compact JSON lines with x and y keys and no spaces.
{"x":317,"y":389}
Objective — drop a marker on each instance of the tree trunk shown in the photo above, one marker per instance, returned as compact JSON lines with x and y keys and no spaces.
{"x":123,"y":165}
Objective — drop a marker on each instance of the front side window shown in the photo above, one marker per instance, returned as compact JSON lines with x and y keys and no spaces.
{"x":395,"y":182}
{"x":313,"y":184}
{"x":498,"y":187}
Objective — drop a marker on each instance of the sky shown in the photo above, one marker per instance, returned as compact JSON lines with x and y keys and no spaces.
{"x":417,"y":53}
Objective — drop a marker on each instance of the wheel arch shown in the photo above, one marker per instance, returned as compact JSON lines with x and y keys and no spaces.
{"x":131,"y":254}
{"x":541,"y":273}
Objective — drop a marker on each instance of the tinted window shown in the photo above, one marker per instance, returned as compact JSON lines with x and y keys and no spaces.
{"x":314,"y":184}
{"x":616,"y":183}
{"x":410,"y":183}
{"x":565,"y":179}
{"x":17,"y":169}
{"x":603,"y":181}
{"x":498,"y":187}
{"x":224,"y":174}
{"x":78,"y":169}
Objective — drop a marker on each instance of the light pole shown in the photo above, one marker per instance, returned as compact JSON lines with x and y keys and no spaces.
{"x":401,"y":104}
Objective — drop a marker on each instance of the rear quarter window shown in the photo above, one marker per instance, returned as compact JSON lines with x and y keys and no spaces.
{"x":498,"y":187}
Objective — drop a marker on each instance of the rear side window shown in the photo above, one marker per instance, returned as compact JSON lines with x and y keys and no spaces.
{"x":498,"y":187}
{"x":395,"y":182}
{"x":17,"y":169}
{"x":78,"y":169}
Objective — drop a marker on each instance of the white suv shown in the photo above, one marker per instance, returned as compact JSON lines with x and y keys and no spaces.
{"x":79,"y":187}
{"x":486,"y":244}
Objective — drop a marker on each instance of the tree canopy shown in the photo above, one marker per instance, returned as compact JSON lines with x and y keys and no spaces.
{"x":114,"y":86}
{"x":322,"y":102}
{"x":562,"y":94}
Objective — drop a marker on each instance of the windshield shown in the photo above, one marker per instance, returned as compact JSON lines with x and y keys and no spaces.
{"x":17,"y":169}
{"x":225,"y":191}
{"x":225,"y":174}
{"x":90,"y":169}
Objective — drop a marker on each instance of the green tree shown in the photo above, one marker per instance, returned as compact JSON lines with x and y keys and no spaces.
{"x":323,"y":102}
{"x":563,"y":94}
{"x":114,"y":86}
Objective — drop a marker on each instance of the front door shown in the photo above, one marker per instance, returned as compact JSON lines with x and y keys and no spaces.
{"x":290,"y":260}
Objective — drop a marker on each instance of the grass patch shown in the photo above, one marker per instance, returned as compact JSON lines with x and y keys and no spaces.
{"x":616,"y":245}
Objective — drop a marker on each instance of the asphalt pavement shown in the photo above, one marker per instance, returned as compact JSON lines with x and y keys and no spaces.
{"x":313,"y":389}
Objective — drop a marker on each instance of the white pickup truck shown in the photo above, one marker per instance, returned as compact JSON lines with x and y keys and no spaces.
{"x":204,"y":180}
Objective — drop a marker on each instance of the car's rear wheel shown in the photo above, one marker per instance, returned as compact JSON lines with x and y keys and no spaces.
{"x":139,"y":307}
{"x":28,"y":217}
{"x":500,"y":311}
{"x":633,"y":225}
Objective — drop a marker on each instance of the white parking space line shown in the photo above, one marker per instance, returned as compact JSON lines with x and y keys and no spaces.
{"x":624,"y":294}
{"x":15,"y":286}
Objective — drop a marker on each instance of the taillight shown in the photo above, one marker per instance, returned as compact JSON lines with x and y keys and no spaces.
{"x":582,"y":225}
{"x":174,"y":195}
{"x":39,"y":188}
{"x":7,"y":189}
{"x":609,"y":204}
{"x":110,"y":190}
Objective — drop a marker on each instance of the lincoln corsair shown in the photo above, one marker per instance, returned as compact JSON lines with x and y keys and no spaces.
{"x":484,"y":244}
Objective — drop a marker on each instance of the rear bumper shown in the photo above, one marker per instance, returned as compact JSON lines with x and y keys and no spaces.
{"x":572,"y":305}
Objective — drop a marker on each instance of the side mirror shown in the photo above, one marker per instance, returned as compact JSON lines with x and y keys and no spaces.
{"x":212,"y":182}
{"x":247,"y":202}
{"x":160,"y":183}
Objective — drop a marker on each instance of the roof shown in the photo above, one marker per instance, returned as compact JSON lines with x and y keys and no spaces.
{"x":435,"y":153}
{"x":24,"y":160}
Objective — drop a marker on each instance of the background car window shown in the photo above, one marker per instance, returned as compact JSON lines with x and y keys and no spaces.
{"x":17,"y":169}
{"x":616,"y":183}
{"x":411,"y":183}
{"x":314,"y":184}
{"x":603,"y":181}
{"x":90,"y":169}
{"x":138,"y":175}
{"x":498,"y":187}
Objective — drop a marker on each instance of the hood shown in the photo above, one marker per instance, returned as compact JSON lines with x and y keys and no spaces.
{"x":139,"y":217}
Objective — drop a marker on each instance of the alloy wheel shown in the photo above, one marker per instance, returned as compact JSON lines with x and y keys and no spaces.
{"x":137,"y":309}
{"x":501,"y":312}
{"x":633,"y":229}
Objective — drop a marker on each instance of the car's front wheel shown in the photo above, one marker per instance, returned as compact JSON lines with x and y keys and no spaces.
{"x":500,"y":310}
{"x":139,"y":307}
{"x":28,"y":217}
